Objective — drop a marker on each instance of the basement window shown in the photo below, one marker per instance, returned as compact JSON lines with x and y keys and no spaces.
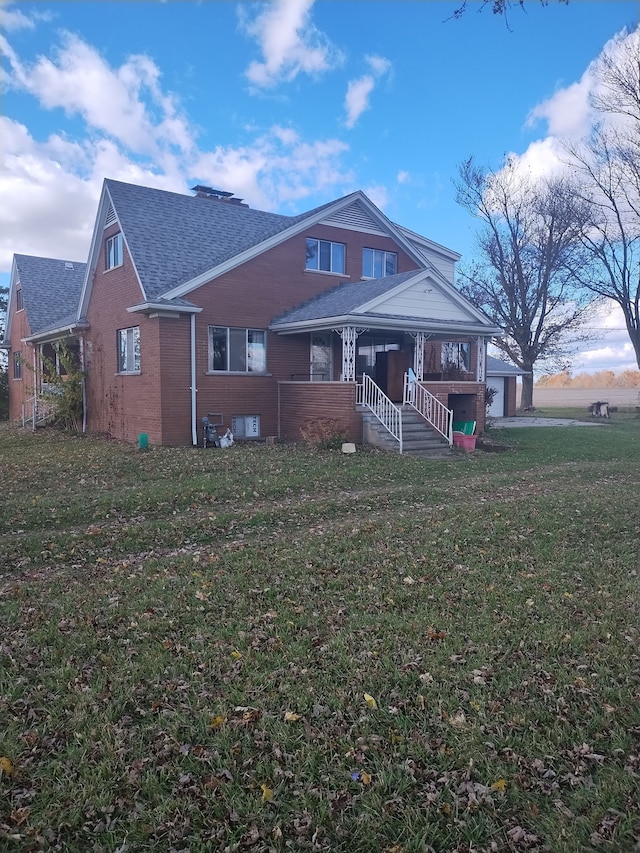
{"x":245,"y":426}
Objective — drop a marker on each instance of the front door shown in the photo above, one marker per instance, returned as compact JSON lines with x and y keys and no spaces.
{"x":321,"y":357}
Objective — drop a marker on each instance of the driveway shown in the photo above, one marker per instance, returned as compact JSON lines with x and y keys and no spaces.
{"x":510,"y":423}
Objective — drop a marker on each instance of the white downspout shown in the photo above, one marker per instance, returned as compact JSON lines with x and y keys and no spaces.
{"x":194,"y":390}
{"x":35,"y":385}
{"x":84,"y":386}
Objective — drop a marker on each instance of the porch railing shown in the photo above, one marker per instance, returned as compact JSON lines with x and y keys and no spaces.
{"x":374,"y":399}
{"x":36,"y":411}
{"x":429,"y":407}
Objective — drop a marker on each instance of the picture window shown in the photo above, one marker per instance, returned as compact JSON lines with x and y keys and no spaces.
{"x":234,"y":350}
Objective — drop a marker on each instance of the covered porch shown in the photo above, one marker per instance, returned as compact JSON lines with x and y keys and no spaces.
{"x":405,"y":340}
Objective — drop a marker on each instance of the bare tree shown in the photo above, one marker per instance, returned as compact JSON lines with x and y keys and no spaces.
{"x":498,"y":7}
{"x":530,"y":254}
{"x":607,"y":176}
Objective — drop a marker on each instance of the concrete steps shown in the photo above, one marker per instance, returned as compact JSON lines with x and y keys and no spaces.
{"x":418,"y":439}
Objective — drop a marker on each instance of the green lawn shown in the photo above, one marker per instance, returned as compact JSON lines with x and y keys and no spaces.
{"x":188,"y":637}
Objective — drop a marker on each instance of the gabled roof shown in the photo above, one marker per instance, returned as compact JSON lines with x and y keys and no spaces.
{"x":343,"y":299}
{"x":373,"y":303}
{"x":178,"y":243}
{"x":50,"y":291}
{"x":174,"y":238}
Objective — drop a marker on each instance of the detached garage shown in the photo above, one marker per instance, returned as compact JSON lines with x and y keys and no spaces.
{"x":502,"y":377}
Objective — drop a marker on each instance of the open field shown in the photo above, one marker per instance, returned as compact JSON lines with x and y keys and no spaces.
{"x":287,"y":649}
{"x":583,"y":397}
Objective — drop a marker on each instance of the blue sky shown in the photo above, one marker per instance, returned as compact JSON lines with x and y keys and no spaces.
{"x":288,"y":104}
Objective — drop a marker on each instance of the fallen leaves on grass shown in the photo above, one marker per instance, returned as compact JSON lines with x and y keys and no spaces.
{"x":371,"y":702}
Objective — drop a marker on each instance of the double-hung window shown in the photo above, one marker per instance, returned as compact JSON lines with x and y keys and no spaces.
{"x":17,"y":365}
{"x":325,"y":256}
{"x":378,"y":264}
{"x":456,"y":355}
{"x":19,"y":300}
{"x":113,"y":251}
{"x":234,"y":350}
{"x":129,"y":350}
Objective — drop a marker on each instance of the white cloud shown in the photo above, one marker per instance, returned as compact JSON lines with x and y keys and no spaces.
{"x":357,"y":98}
{"x":403,"y":177}
{"x":567,"y":112}
{"x":378,"y":195}
{"x":130,"y":107}
{"x":359,"y":91}
{"x":15,"y":19}
{"x":277,"y":169}
{"x":289,"y":42}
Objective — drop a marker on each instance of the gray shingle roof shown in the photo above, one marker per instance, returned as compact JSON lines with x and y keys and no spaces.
{"x":343,"y":299}
{"x":173,"y":238}
{"x":50,"y":291}
{"x":496,"y":367}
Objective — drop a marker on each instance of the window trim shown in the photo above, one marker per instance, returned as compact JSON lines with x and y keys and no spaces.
{"x":384,"y":253}
{"x":114,"y":240}
{"x":211,"y":370}
{"x":131,"y":352}
{"x":330,"y":243}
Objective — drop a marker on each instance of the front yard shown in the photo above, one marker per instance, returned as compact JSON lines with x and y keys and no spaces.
{"x":276,"y":648}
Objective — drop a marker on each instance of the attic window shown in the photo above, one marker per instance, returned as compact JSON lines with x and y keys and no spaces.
{"x":113,"y":252}
{"x":378,"y":264}
{"x":325,"y":256}
{"x":19,"y":300}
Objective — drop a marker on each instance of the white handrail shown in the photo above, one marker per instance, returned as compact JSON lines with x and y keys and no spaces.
{"x":429,"y":407}
{"x":374,"y":398}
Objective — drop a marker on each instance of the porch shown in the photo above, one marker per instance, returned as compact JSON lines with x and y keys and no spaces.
{"x":340,"y":408}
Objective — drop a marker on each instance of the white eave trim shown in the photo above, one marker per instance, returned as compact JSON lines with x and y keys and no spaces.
{"x":55,"y":334}
{"x":372,"y":322}
{"x":163,"y":308}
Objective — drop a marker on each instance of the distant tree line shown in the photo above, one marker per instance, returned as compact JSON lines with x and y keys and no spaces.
{"x":599,"y":379}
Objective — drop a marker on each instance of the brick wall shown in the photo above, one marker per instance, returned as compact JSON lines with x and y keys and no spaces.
{"x":302,"y":403}
{"x":20,"y":389}
{"x":472,"y":407}
{"x":122,"y":405}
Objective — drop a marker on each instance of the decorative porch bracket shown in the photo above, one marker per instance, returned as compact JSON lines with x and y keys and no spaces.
{"x":418,"y":354}
{"x":482,"y":360}
{"x":349,"y":335}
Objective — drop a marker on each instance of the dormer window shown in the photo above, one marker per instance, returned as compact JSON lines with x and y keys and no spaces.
{"x":378,"y":264}
{"x":325,"y":256}
{"x":113,"y":251}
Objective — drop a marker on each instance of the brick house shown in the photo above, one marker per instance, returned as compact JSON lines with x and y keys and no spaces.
{"x":196,"y":305}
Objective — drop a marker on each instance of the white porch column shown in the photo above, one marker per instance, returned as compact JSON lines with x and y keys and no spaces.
{"x":349,"y":335}
{"x":482,"y":359}
{"x":418,"y":356}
